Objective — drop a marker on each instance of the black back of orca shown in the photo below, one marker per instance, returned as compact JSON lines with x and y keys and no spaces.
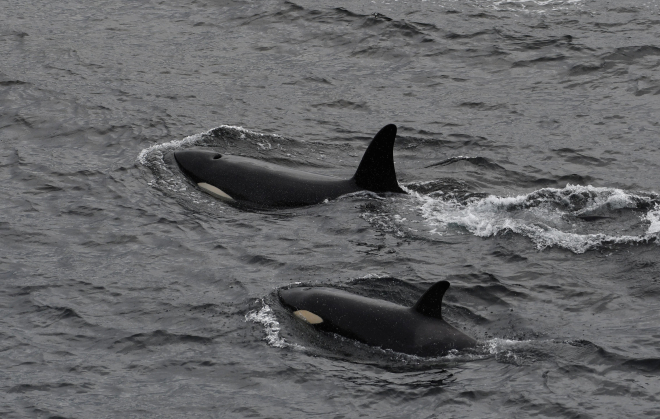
{"x":418,"y":330}
{"x":260,"y":183}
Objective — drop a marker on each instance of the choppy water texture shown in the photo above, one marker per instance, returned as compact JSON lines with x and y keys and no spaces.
{"x":528,"y":142}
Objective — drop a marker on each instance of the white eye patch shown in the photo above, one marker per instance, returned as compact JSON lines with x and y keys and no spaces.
{"x":212,"y":190}
{"x":308,"y":316}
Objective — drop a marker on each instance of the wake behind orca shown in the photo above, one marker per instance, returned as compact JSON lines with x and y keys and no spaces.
{"x":247,"y":180}
{"x":419,"y":330}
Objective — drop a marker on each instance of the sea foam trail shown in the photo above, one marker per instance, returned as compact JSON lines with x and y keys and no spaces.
{"x":549,"y":217}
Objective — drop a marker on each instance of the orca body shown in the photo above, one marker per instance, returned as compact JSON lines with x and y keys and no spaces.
{"x":243,"y":179}
{"x":418,"y":330}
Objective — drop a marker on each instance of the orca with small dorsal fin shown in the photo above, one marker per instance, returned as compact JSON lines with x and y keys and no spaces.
{"x":247,"y":180}
{"x":419,"y":330}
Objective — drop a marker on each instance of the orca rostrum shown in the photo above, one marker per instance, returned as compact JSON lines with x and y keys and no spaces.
{"x":418,"y":330}
{"x":247,"y":180}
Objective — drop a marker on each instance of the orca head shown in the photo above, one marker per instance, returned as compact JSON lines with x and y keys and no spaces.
{"x":200,"y":166}
{"x":197,"y":164}
{"x":376,"y":170}
{"x":293,"y":298}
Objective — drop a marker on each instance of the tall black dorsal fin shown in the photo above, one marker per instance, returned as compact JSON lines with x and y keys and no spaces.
{"x":376,"y":170}
{"x":430,"y":304}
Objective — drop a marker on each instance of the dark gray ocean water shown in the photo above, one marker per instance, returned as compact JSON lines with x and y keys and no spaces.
{"x":528,"y":142}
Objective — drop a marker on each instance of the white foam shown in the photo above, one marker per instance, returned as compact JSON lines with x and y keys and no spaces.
{"x":373,"y":276}
{"x":653,"y":217}
{"x":497,"y":345}
{"x":538,"y":6}
{"x":266,"y":317}
{"x":540,"y":215}
{"x":143,"y":157}
{"x":508,"y":350}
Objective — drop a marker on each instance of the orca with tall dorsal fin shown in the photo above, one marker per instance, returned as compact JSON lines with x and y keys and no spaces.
{"x":243,"y":179}
{"x":419,"y":330}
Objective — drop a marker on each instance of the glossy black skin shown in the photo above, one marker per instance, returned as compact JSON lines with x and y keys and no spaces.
{"x":377,"y":322}
{"x":259,"y":183}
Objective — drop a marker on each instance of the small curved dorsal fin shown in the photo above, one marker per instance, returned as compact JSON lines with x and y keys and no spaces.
{"x":376,"y":170}
{"x":430,"y":304}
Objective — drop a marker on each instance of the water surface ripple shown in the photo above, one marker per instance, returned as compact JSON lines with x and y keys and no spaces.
{"x":528,"y":135}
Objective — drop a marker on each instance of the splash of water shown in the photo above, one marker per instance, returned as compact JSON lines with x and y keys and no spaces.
{"x":549,"y":217}
{"x":653,"y":217}
{"x":267,"y":319}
